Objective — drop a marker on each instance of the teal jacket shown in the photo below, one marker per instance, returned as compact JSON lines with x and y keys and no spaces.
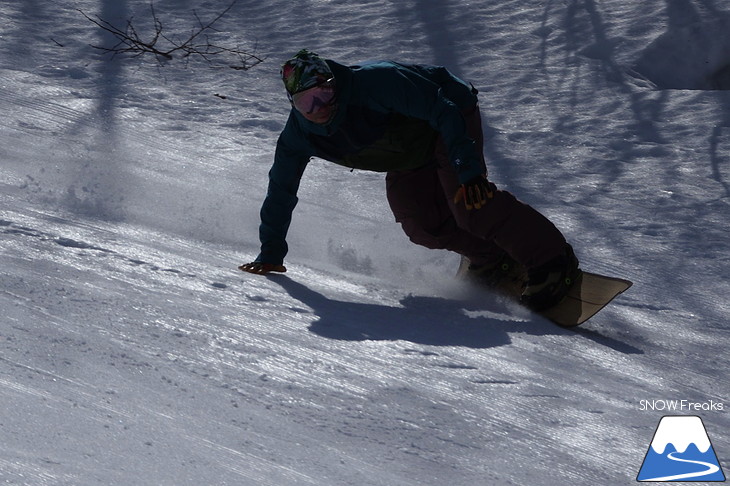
{"x":388,"y":118}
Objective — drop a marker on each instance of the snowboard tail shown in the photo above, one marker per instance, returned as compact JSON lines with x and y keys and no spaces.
{"x":590,"y":293}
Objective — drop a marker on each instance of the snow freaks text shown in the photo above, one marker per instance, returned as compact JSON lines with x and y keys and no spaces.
{"x":680,"y":406}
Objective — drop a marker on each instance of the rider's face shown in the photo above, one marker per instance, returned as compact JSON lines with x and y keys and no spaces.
{"x":316,"y":104}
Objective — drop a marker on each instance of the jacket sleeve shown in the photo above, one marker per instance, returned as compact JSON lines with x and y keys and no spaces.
{"x":290,"y":160}
{"x":397,"y":88}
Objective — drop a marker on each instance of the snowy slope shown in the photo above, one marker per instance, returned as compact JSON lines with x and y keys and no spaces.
{"x":133,"y":352}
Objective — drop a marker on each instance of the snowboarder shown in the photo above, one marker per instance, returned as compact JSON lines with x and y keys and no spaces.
{"x":422,"y":126}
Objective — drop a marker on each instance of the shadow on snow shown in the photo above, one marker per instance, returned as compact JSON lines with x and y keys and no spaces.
{"x":434,"y":321}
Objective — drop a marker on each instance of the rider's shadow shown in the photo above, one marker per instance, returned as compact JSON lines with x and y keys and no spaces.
{"x":422,"y":320}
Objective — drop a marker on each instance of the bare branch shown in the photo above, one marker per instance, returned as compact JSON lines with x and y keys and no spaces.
{"x":164,"y":47}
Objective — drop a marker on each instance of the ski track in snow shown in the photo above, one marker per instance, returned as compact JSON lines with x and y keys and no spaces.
{"x":132,"y":351}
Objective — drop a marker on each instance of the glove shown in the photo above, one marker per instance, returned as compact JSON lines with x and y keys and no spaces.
{"x":262,"y":268}
{"x":475,"y":192}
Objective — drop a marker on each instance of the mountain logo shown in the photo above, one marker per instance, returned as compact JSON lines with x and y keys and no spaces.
{"x":680,"y":451}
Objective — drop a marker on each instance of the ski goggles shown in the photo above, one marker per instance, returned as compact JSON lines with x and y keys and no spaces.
{"x":315,"y":98}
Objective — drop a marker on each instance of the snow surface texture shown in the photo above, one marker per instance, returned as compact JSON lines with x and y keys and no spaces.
{"x":133,"y":352}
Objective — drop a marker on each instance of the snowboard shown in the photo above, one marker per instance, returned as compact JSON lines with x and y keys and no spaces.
{"x":590,"y":293}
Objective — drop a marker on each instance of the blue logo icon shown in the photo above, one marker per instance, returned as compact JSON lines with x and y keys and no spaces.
{"x":681,"y":451}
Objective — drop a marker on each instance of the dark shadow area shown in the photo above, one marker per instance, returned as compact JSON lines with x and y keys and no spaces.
{"x":431,"y":20}
{"x":422,"y":320}
{"x":33,"y":32}
{"x":97,"y":187}
{"x":607,"y":341}
{"x":110,"y":84}
{"x":432,"y":321}
{"x":440,"y":38}
{"x":588,"y":33}
{"x":689,"y":56}
{"x":719,"y":157}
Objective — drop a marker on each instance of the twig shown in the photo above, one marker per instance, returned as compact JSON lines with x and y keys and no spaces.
{"x":163,"y":47}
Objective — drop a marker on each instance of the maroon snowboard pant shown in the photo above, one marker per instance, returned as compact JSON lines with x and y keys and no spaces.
{"x":422,"y":202}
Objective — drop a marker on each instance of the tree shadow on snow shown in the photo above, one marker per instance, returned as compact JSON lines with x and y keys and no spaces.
{"x":431,"y":321}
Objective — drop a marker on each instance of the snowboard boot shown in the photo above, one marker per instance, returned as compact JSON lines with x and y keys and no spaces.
{"x":505,"y":276}
{"x":548,"y":284}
